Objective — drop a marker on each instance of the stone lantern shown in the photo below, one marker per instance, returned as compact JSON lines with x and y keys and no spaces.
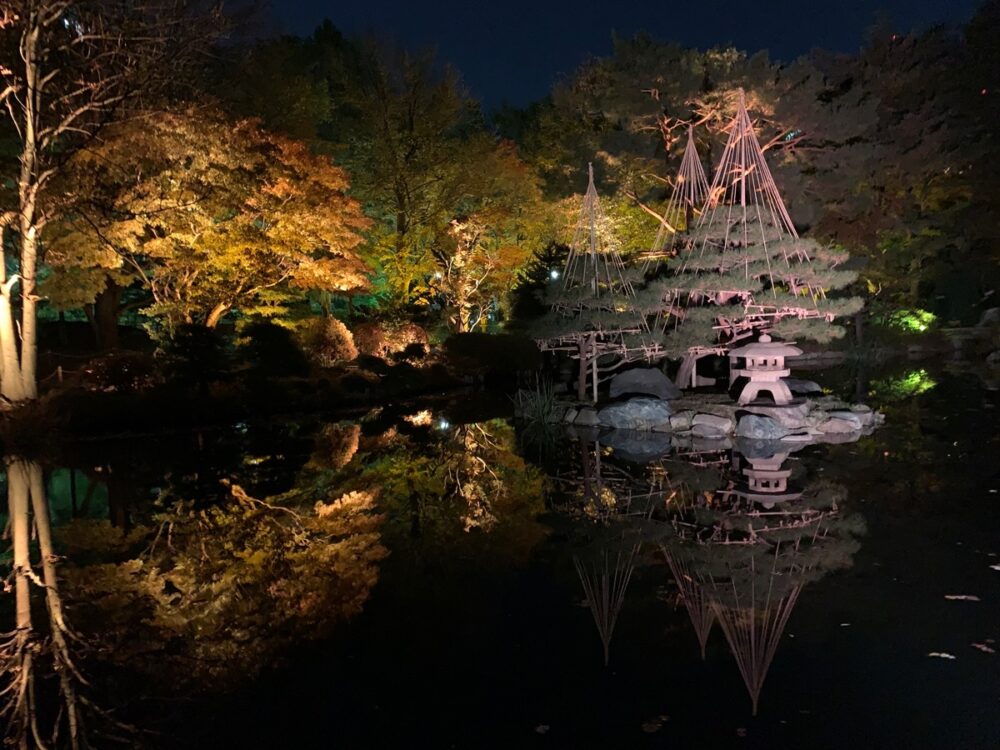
{"x":764,"y":366}
{"x":767,"y":480}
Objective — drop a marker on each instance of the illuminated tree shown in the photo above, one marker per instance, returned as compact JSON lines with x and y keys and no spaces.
{"x":74,"y":68}
{"x":421,"y":160}
{"x":595,"y":315}
{"x":746,"y":269}
{"x":208,"y":216}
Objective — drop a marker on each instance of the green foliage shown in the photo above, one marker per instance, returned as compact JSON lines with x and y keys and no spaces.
{"x":902,"y":388}
{"x":911,"y":321}
{"x":536,"y":405}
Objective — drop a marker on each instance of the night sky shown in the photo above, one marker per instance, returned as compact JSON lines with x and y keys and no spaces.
{"x":513,"y":51}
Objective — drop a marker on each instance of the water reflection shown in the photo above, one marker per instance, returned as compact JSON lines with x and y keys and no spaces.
{"x":38,"y":645}
{"x":742,"y":527}
{"x":223,"y":558}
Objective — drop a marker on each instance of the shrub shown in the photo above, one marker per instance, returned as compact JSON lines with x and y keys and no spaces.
{"x":381,"y":339}
{"x":328,"y":342}
{"x":127,"y":372}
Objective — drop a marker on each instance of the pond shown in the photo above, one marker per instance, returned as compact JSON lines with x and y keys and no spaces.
{"x":467,"y":582}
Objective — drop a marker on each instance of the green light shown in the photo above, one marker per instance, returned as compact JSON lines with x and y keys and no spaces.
{"x":908,"y":386}
{"x":912,"y":321}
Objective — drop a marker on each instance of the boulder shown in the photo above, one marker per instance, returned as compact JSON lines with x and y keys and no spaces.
{"x":638,"y":413}
{"x":587,"y":417}
{"x":798,"y":437}
{"x":638,"y":447}
{"x":848,"y":416}
{"x":724,"y":425}
{"x":990,"y":317}
{"x":702,"y":430}
{"x":647,"y":381}
{"x":802,"y":387}
{"x":570,"y":416}
{"x":681,"y":420}
{"x":835,"y":425}
{"x":792,"y":417}
{"x":759,"y":427}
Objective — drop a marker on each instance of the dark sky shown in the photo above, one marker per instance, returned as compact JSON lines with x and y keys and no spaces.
{"x":513,"y":51}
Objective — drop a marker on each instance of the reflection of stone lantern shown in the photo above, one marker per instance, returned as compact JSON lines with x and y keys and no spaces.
{"x":767,"y":480}
{"x":764,"y":366}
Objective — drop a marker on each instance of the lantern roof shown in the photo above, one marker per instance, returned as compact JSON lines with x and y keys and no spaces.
{"x":764,"y":347}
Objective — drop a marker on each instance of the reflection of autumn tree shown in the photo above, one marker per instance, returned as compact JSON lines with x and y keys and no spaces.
{"x":486,"y":473}
{"x":336,"y":445}
{"x":473,"y":480}
{"x":218,"y":593}
{"x":36,"y":646}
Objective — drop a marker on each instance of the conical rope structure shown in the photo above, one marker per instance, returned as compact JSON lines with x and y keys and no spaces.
{"x":594,"y":315}
{"x":683,"y":209}
{"x":605,"y":582}
{"x":745,"y":269}
{"x":697,"y":604}
{"x":745,"y":565}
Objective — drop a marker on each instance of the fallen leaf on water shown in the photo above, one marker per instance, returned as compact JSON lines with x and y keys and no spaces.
{"x":942,"y":655}
{"x":995,"y":567}
{"x":542,"y":728}
{"x":741,"y":732}
{"x":962,"y":597}
{"x":983,"y":647}
{"x":654,"y":724}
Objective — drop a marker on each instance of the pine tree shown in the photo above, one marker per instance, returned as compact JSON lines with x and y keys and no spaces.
{"x":680,"y":216}
{"x":595,"y":315}
{"x":745,"y":269}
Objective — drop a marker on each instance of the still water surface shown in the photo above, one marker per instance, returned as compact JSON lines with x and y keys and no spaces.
{"x":544,"y":590}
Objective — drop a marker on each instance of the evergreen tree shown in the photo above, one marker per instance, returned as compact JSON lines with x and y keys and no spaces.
{"x":596,"y":315}
{"x":745,"y":270}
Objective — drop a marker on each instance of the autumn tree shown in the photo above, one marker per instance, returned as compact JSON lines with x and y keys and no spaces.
{"x":207,"y":216}
{"x":69,"y":69}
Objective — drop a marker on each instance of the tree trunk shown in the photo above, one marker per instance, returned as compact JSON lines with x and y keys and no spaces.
{"x":216,"y":315}
{"x":595,"y":370}
{"x":29,"y":314}
{"x":107,"y":306}
{"x":17,"y":503}
{"x":10,"y":364}
{"x":581,"y":382}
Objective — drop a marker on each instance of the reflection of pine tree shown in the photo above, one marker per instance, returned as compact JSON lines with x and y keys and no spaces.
{"x":594,"y":315}
{"x":614,"y":507}
{"x":746,"y":269}
{"x":745,"y":566}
